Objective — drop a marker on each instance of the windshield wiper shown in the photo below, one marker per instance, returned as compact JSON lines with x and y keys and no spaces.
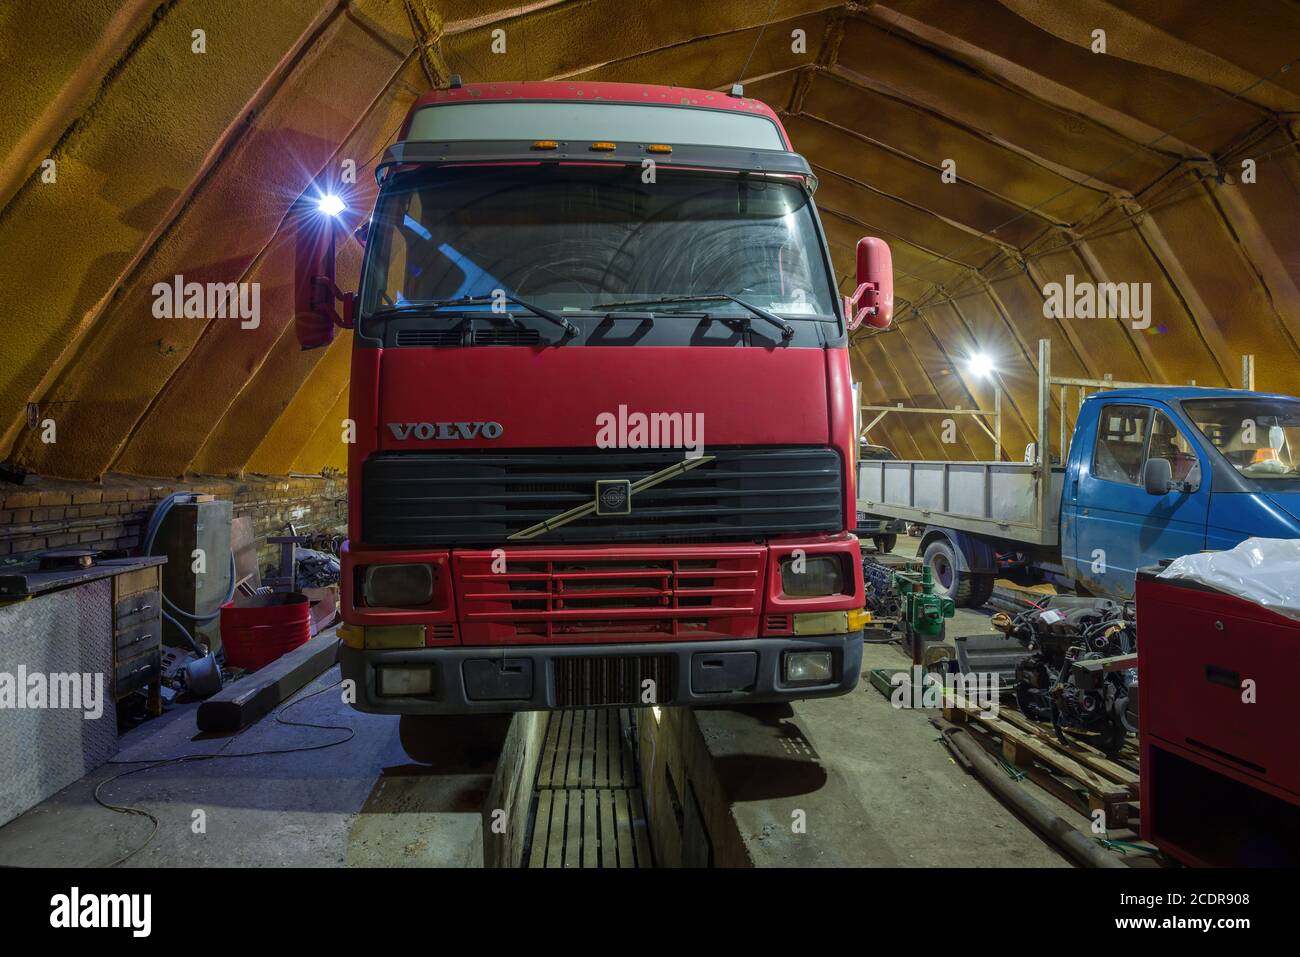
{"x":432,"y":304}
{"x":787,"y":330}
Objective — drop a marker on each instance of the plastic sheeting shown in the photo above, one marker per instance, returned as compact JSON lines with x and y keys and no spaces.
{"x":1265,"y":571}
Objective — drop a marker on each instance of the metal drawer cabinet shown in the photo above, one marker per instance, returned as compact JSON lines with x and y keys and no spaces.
{"x":137,"y":635}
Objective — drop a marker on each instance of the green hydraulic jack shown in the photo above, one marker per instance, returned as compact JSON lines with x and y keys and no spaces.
{"x":923,"y":611}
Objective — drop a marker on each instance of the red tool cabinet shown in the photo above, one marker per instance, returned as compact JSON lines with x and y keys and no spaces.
{"x":1220,"y":773}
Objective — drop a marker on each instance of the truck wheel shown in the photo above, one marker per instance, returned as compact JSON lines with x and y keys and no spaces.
{"x":885,"y":543}
{"x":949,"y":580}
{"x":981,"y":589}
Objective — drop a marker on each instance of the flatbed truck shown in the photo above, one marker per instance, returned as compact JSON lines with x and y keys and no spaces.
{"x":1147,"y":473}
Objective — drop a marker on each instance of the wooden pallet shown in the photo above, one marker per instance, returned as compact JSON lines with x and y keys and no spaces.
{"x":1077,"y":773}
{"x":589,"y":810}
{"x":589,"y":749}
{"x":590,"y":827}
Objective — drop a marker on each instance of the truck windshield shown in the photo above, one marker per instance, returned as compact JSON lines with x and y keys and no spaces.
{"x":570,"y":238}
{"x":1259,"y":436}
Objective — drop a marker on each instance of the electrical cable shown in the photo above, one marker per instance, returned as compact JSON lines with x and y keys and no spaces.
{"x":186,"y":758}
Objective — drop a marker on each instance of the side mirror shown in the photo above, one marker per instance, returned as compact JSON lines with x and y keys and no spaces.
{"x":1158,"y":476}
{"x":873,"y":301}
{"x":314,"y":292}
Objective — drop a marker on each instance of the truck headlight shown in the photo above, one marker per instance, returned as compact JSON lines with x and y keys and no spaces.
{"x":809,"y":667}
{"x":398,"y":586}
{"x":812,"y":576}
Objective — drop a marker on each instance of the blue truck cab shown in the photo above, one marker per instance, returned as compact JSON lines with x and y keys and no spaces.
{"x":1155,"y":473}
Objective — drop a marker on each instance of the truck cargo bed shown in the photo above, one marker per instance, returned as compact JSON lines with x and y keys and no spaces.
{"x":995,"y":499}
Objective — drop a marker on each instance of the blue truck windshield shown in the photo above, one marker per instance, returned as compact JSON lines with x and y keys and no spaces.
{"x":570,"y":238}
{"x":1258,"y":435}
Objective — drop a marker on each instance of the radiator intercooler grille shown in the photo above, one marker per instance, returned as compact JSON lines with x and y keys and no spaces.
{"x":484,"y":497}
{"x":614,"y":680}
{"x":563,"y":596}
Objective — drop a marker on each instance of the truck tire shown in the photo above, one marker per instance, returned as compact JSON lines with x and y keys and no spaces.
{"x":981,"y":589}
{"x":949,"y":580}
{"x":885,"y":543}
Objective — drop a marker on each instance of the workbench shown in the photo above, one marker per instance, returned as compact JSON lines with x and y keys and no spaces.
{"x":90,"y":634}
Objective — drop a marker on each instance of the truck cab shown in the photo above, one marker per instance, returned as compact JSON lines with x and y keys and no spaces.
{"x":604,"y":424}
{"x":1156,"y":473}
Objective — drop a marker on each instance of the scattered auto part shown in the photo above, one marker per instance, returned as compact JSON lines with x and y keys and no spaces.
{"x":1065,"y":635}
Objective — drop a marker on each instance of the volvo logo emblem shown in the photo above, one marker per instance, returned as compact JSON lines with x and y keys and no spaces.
{"x":613,"y":497}
{"x":445,"y":431}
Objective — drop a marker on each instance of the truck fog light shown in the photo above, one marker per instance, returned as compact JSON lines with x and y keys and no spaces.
{"x":398,"y":586}
{"x":809,"y":667}
{"x":402,"y":682}
{"x":812,"y":576}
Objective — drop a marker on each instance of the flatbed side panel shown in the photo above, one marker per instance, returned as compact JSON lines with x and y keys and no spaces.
{"x":997,"y":499}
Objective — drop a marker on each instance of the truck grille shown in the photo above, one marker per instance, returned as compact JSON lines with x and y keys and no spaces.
{"x":589,"y":682}
{"x":481,"y":498}
{"x":530,"y":596}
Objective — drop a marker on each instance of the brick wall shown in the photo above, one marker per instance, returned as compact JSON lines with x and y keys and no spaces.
{"x":113,"y":514}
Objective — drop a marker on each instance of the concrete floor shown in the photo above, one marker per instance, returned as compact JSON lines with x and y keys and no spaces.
{"x":896,"y":796}
{"x":365,"y":802}
{"x":361,"y":802}
{"x":923,"y":809}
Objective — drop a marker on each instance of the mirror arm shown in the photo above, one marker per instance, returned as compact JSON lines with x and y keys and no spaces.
{"x":324,"y":294}
{"x":867,"y":295}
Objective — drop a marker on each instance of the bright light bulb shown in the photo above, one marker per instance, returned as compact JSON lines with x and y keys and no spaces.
{"x":330,"y":205}
{"x":981,"y":364}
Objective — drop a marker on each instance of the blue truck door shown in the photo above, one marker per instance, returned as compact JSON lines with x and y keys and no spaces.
{"x":1076,"y":464}
{"x":1118,"y":525}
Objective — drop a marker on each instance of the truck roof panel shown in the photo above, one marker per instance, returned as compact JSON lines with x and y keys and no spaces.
{"x":1177,"y":393}
{"x":685,"y":100}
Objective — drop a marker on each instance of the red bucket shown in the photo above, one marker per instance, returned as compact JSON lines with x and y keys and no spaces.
{"x":256,"y":631}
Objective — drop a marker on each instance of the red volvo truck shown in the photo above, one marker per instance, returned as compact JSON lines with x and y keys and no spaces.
{"x":605,"y":437}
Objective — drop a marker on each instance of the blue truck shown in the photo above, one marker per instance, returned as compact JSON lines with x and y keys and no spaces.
{"x":1147,"y":473}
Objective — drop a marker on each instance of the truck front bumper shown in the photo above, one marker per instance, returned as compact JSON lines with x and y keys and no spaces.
{"x":464,"y":680}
